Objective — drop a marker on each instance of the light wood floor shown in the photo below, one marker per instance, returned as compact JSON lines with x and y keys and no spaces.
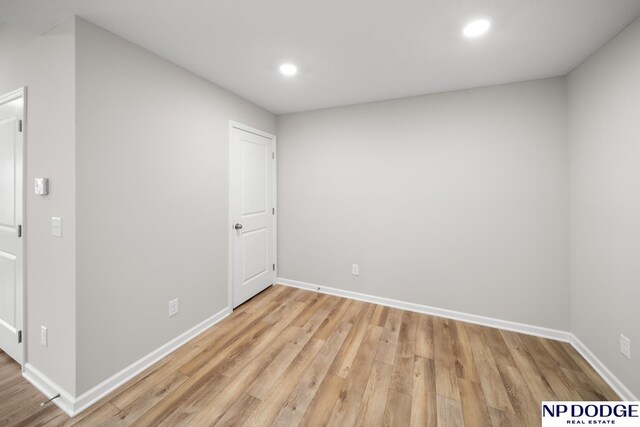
{"x":290,"y":357}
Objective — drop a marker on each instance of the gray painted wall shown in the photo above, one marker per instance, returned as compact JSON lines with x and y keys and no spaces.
{"x":457,"y":200}
{"x":604,"y":101}
{"x":152,"y":200}
{"x":45,"y":64}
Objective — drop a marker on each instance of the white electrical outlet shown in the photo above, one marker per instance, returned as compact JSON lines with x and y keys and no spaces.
{"x":44,"y":336}
{"x":355,"y":269}
{"x":56,"y":227}
{"x":174,"y":307}
{"x":625,"y":346}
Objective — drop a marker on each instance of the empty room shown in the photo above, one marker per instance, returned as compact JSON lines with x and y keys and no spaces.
{"x":319,"y":213}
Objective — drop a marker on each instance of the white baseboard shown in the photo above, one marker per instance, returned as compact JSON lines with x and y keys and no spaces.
{"x":434,"y":311}
{"x":602,"y":370}
{"x":73,"y":406}
{"x":49,"y":388}
{"x":617,"y":385}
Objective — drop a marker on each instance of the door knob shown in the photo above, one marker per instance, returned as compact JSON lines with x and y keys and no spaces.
{"x":238,"y":226}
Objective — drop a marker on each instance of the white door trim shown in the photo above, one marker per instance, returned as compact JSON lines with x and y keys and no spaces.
{"x":230,"y":223}
{"x":18,"y":93}
{"x":4,"y":98}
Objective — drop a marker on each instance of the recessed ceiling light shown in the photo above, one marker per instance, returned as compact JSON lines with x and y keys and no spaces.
{"x":476,"y":28}
{"x":288,"y":69}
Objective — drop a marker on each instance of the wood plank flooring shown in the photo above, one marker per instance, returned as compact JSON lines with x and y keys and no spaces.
{"x":290,"y":357}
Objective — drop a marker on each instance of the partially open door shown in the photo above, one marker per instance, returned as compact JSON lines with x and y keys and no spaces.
{"x":11,"y":224}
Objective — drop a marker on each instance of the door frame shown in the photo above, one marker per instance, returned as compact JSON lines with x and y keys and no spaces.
{"x":230,"y":223}
{"x":22,"y":320}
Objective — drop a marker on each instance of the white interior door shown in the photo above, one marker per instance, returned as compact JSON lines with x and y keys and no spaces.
{"x":252,"y":213}
{"x":11,"y":212}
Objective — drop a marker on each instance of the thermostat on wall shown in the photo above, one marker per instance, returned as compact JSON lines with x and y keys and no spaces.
{"x":42,"y":186}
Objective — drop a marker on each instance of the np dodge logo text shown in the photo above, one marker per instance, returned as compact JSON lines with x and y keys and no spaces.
{"x":590,"y":413}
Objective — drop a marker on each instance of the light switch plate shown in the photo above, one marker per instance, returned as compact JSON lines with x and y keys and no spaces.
{"x":42,"y":186}
{"x":56,"y":227}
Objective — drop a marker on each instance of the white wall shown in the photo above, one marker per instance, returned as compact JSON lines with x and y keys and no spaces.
{"x":45,"y":64}
{"x":152,"y":195}
{"x":457,"y":200}
{"x":604,"y":105}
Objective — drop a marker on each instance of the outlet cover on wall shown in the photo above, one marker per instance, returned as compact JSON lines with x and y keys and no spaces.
{"x":44,"y":336}
{"x":355,"y":269}
{"x":56,"y":227}
{"x":625,"y":346}
{"x":174,"y":307}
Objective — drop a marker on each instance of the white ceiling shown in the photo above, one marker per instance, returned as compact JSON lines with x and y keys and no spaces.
{"x":348,"y":51}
